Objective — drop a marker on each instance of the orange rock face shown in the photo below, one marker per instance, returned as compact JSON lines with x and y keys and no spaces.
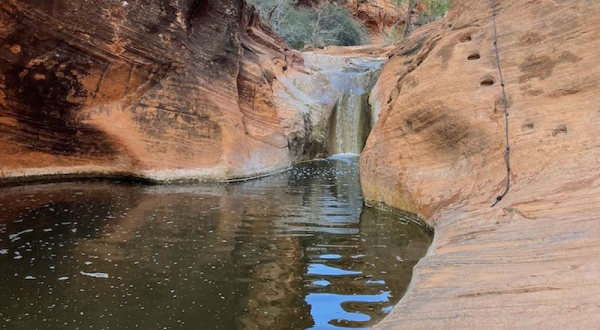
{"x":438,"y":150}
{"x":153,"y":89}
{"x":380,"y":15}
{"x":377,"y":15}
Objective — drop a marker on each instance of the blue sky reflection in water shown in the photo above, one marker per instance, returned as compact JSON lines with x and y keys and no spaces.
{"x":296,"y":250}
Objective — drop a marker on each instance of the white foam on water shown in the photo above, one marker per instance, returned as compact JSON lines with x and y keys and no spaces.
{"x":95,"y":275}
{"x":344,"y":155}
{"x":14,"y":237}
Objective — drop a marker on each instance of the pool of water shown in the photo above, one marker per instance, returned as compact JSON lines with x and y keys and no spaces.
{"x":296,"y":250}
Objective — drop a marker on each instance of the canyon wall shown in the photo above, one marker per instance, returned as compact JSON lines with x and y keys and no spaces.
{"x":152,"y":89}
{"x":157,"y":90}
{"x":438,"y":150}
{"x":377,"y":15}
{"x":163,"y":91}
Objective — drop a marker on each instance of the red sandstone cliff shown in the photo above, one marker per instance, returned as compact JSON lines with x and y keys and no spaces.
{"x":160,"y":90}
{"x":377,"y":15}
{"x":154,"y":89}
{"x":437,"y":150}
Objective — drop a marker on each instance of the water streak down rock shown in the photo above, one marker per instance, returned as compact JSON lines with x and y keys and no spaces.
{"x":437,"y":150}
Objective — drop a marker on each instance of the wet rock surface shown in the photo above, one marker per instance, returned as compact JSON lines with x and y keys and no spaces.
{"x":438,"y":150}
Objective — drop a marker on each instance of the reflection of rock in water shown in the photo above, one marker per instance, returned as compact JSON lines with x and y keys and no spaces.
{"x":361,"y":240}
{"x":238,"y":256}
{"x":272,"y":298}
{"x":267,"y":263}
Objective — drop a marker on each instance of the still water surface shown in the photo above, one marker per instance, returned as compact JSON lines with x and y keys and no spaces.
{"x":296,"y":250}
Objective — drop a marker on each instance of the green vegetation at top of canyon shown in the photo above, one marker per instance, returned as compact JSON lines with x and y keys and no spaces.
{"x":432,"y":10}
{"x":327,"y":23}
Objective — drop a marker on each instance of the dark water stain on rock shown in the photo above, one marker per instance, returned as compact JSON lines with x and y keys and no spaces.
{"x":542,"y":67}
{"x":45,"y":97}
{"x":445,"y":131}
{"x":445,"y":53}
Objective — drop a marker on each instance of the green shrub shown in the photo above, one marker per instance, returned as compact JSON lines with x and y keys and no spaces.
{"x":300,"y":27}
{"x":434,"y":10}
{"x":391,"y":34}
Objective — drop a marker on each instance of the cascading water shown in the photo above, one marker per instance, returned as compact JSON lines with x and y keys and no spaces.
{"x":351,"y":121}
{"x":348,"y":118}
{"x":341,"y":86}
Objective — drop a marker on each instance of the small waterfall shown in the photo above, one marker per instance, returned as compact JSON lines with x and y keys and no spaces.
{"x":341,"y":86}
{"x":351,"y":116}
{"x":351,"y":125}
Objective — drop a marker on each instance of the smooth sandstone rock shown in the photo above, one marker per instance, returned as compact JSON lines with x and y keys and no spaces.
{"x":438,"y":150}
{"x":153,"y":89}
{"x":377,"y":15}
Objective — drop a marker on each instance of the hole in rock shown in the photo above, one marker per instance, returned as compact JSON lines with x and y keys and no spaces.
{"x":196,"y":9}
{"x":473,"y":57}
{"x":562,"y":128}
{"x":466,"y":38}
{"x":487,"y":82}
{"x":528,"y":125}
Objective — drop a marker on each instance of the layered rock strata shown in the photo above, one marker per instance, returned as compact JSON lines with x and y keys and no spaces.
{"x":155,"y":90}
{"x":377,"y":15}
